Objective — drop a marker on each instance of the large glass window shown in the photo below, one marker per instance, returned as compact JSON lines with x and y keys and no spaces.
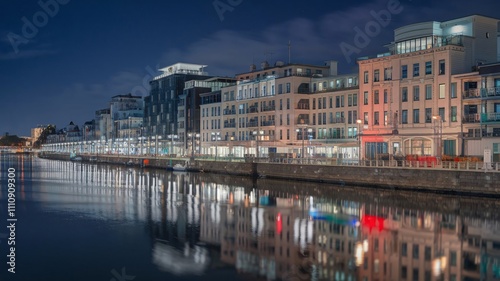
{"x":365,"y":77}
{"x":385,"y":96}
{"x":416,"y":116}
{"x":428,"y":67}
{"x":365,"y":98}
{"x":442,"y":66}
{"x":404,"y":116}
{"x":453,"y":114}
{"x":404,"y":94}
{"x":428,"y":92}
{"x":453,"y":90}
{"x":442,"y":93}
{"x":416,"y":70}
{"x":428,"y":115}
{"x":404,"y":71}
{"x":416,"y":93}
{"x":375,"y":97}
{"x":376,"y":75}
{"x":376,"y":118}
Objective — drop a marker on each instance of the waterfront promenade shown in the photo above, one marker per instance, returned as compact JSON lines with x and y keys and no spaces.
{"x":449,"y":177}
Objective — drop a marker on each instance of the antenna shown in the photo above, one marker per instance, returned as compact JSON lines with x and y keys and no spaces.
{"x":289,"y":49}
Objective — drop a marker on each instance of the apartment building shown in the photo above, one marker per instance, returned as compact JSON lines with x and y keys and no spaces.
{"x":408,"y":101}
{"x":290,"y":109}
{"x":480,"y":92}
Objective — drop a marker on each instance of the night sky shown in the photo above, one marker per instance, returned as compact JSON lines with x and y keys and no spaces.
{"x":72,"y":59}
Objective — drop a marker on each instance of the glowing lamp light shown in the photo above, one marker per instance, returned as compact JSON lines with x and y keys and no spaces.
{"x":279,"y":225}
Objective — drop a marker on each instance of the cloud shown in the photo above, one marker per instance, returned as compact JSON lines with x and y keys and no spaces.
{"x":312,"y":40}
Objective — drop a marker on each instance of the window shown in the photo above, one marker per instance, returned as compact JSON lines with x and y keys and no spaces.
{"x":416,"y":70}
{"x":386,"y":118}
{"x":404,"y":272}
{"x":415,"y":274}
{"x":349,"y":100}
{"x":288,"y":87}
{"x":388,"y":74}
{"x":354,"y":99}
{"x":385,"y":95}
{"x":416,"y":115}
{"x":365,"y":118}
{"x":404,"y":71}
{"x":331,"y":102}
{"x":441,"y":113}
{"x":442,"y":92}
{"x":453,"y":90}
{"x":376,"y":118}
{"x":366,"y":77}
{"x":375,"y":97}
{"x":428,"y":115}
{"x":416,"y":93}
{"x":428,"y":92}
{"x":428,"y":67}
{"x":415,"y":251}
{"x":404,"y":116}
{"x":404,"y":94}
{"x":280,"y":89}
{"x":441,"y":67}
{"x":288,"y":103}
{"x":365,"y":98}
{"x":404,"y":249}
{"x":453,"y":258}
{"x":427,"y":253}
{"x":376,"y":75}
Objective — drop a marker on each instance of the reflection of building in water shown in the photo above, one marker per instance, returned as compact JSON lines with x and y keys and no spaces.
{"x":336,"y":230}
{"x":398,"y":244}
{"x":278,"y":235}
{"x":481,"y":249}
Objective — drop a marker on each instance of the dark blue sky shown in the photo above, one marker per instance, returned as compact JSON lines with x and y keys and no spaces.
{"x":84,"y":52}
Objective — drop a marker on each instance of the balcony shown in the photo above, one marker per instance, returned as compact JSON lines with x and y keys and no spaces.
{"x":268,"y":108}
{"x":490,"y":117}
{"x":252,"y":109}
{"x":252,"y":124}
{"x":267,"y":123}
{"x":229,"y":124}
{"x":229,"y":111}
{"x":337,"y":120}
{"x":490,"y":92}
{"x":471,"y":94}
{"x":471,"y":118}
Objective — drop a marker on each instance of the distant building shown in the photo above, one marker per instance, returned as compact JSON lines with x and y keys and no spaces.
{"x":104,"y":124}
{"x":161,"y":106}
{"x":126,"y":114}
{"x":37,"y":131}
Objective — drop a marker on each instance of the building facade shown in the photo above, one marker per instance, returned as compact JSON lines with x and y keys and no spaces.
{"x":408,"y":102}
{"x":161,"y":106}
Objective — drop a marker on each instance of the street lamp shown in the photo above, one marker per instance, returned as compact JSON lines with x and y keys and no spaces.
{"x":359,"y":121}
{"x":216,"y":138}
{"x":438,"y":135}
{"x":303,"y":131}
{"x":256,"y":135}
{"x":193,"y":137}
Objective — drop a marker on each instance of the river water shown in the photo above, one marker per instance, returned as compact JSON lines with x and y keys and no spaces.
{"x":77,"y":221}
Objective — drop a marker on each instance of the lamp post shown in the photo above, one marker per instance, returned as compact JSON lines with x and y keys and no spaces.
{"x":438,"y":135}
{"x":257,"y":135}
{"x":216,"y":138}
{"x":303,"y":131}
{"x":359,"y":140}
{"x":171,"y":137}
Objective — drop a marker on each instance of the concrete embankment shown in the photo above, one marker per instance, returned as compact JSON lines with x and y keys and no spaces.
{"x":423,"y":179}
